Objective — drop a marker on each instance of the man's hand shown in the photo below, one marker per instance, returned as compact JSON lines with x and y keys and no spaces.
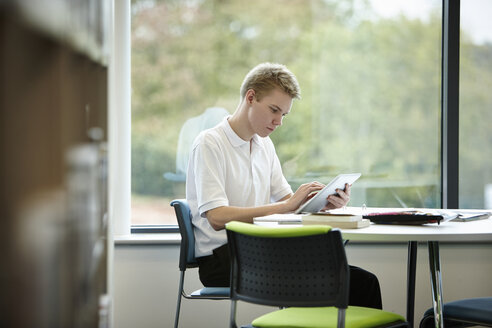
{"x":338,"y":200}
{"x":302,"y":194}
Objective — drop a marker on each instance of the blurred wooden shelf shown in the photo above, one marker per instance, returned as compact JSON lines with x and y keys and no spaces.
{"x":53,"y":100}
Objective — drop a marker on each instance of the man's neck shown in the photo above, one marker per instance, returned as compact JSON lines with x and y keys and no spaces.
{"x":240,"y":124}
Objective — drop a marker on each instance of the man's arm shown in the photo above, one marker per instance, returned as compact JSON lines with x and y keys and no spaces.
{"x":219,"y":216}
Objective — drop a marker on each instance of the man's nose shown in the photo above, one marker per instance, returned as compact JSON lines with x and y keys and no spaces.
{"x":278,"y":120}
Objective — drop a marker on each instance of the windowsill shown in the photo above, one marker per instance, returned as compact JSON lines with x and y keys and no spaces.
{"x":175,"y":239}
{"x":148,"y":239}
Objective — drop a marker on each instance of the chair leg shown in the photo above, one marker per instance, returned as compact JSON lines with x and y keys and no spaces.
{"x":341,"y":318}
{"x":232,"y":318}
{"x":411,"y":269}
{"x":178,"y":304}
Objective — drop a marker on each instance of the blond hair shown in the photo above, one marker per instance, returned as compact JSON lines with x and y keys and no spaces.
{"x":267,"y":76}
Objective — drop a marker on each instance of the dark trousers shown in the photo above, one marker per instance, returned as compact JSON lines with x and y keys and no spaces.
{"x":214,"y":271}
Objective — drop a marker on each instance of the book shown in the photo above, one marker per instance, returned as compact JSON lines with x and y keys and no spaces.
{"x":326,"y":216}
{"x":336,"y":221}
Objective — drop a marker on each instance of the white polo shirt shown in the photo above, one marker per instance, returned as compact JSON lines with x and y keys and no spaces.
{"x":222,"y":171}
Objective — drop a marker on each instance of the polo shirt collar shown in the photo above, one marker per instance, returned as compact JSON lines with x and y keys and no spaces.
{"x":234,"y":139}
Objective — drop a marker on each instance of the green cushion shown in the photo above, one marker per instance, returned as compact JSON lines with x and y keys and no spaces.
{"x":318,"y":317}
{"x":264,"y":231}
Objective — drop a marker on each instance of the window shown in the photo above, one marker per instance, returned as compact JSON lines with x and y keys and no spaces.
{"x":475,"y":102}
{"x":370,"y":74}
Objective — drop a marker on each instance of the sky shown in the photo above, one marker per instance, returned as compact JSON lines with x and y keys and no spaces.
{"x":475,"y":14}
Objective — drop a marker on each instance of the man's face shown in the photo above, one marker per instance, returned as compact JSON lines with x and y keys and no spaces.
{"x":267,"y":114}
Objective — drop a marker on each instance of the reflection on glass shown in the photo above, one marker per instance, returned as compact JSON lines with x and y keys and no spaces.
{"x":475,"y":184}
{"x":370,"y":80}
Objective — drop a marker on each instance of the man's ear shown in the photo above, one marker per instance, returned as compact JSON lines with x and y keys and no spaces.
{"x":250,"y":95}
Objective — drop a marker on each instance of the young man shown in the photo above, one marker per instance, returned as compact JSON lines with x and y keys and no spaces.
{"x":234,"y":174}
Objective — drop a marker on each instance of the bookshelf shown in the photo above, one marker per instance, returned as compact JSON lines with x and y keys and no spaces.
{"x":53,"y":171}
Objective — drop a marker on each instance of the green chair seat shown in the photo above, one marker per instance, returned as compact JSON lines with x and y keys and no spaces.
{"x":322,"y":317}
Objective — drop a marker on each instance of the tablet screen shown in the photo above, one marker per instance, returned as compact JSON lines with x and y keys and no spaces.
{"x":318,"y":202}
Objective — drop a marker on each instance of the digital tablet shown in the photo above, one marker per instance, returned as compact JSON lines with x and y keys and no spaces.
{"x":318,"y":202}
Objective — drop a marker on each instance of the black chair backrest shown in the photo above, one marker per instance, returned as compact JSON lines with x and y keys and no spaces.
{"x":306,"y":271}
{"x":187,"y":250}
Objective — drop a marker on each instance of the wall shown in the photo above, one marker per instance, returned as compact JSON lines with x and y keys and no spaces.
{"x":146,"y":282}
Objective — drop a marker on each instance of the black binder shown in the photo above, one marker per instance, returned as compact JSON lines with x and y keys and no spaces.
{"x":404,"y":218}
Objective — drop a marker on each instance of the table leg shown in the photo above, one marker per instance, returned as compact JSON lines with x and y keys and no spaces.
{"x":411,"y":269}
{"x":436,"y":282}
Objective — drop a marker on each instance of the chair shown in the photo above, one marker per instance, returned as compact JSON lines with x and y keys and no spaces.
{"x":187,"y":259}
{"x":462,"y":313}
{"x":189,"y":131}
{"x":303,"y":270}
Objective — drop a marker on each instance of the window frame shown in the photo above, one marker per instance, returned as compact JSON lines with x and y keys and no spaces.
{"x":449,"y":143}
{"x":450,"y":58}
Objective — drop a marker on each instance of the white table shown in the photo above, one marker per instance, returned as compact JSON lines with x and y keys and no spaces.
{"x":432,"y":234}
{"x":473,"y":231}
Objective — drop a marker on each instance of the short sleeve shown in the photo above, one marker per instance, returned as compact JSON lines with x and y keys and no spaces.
{"x":209,"y":174}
